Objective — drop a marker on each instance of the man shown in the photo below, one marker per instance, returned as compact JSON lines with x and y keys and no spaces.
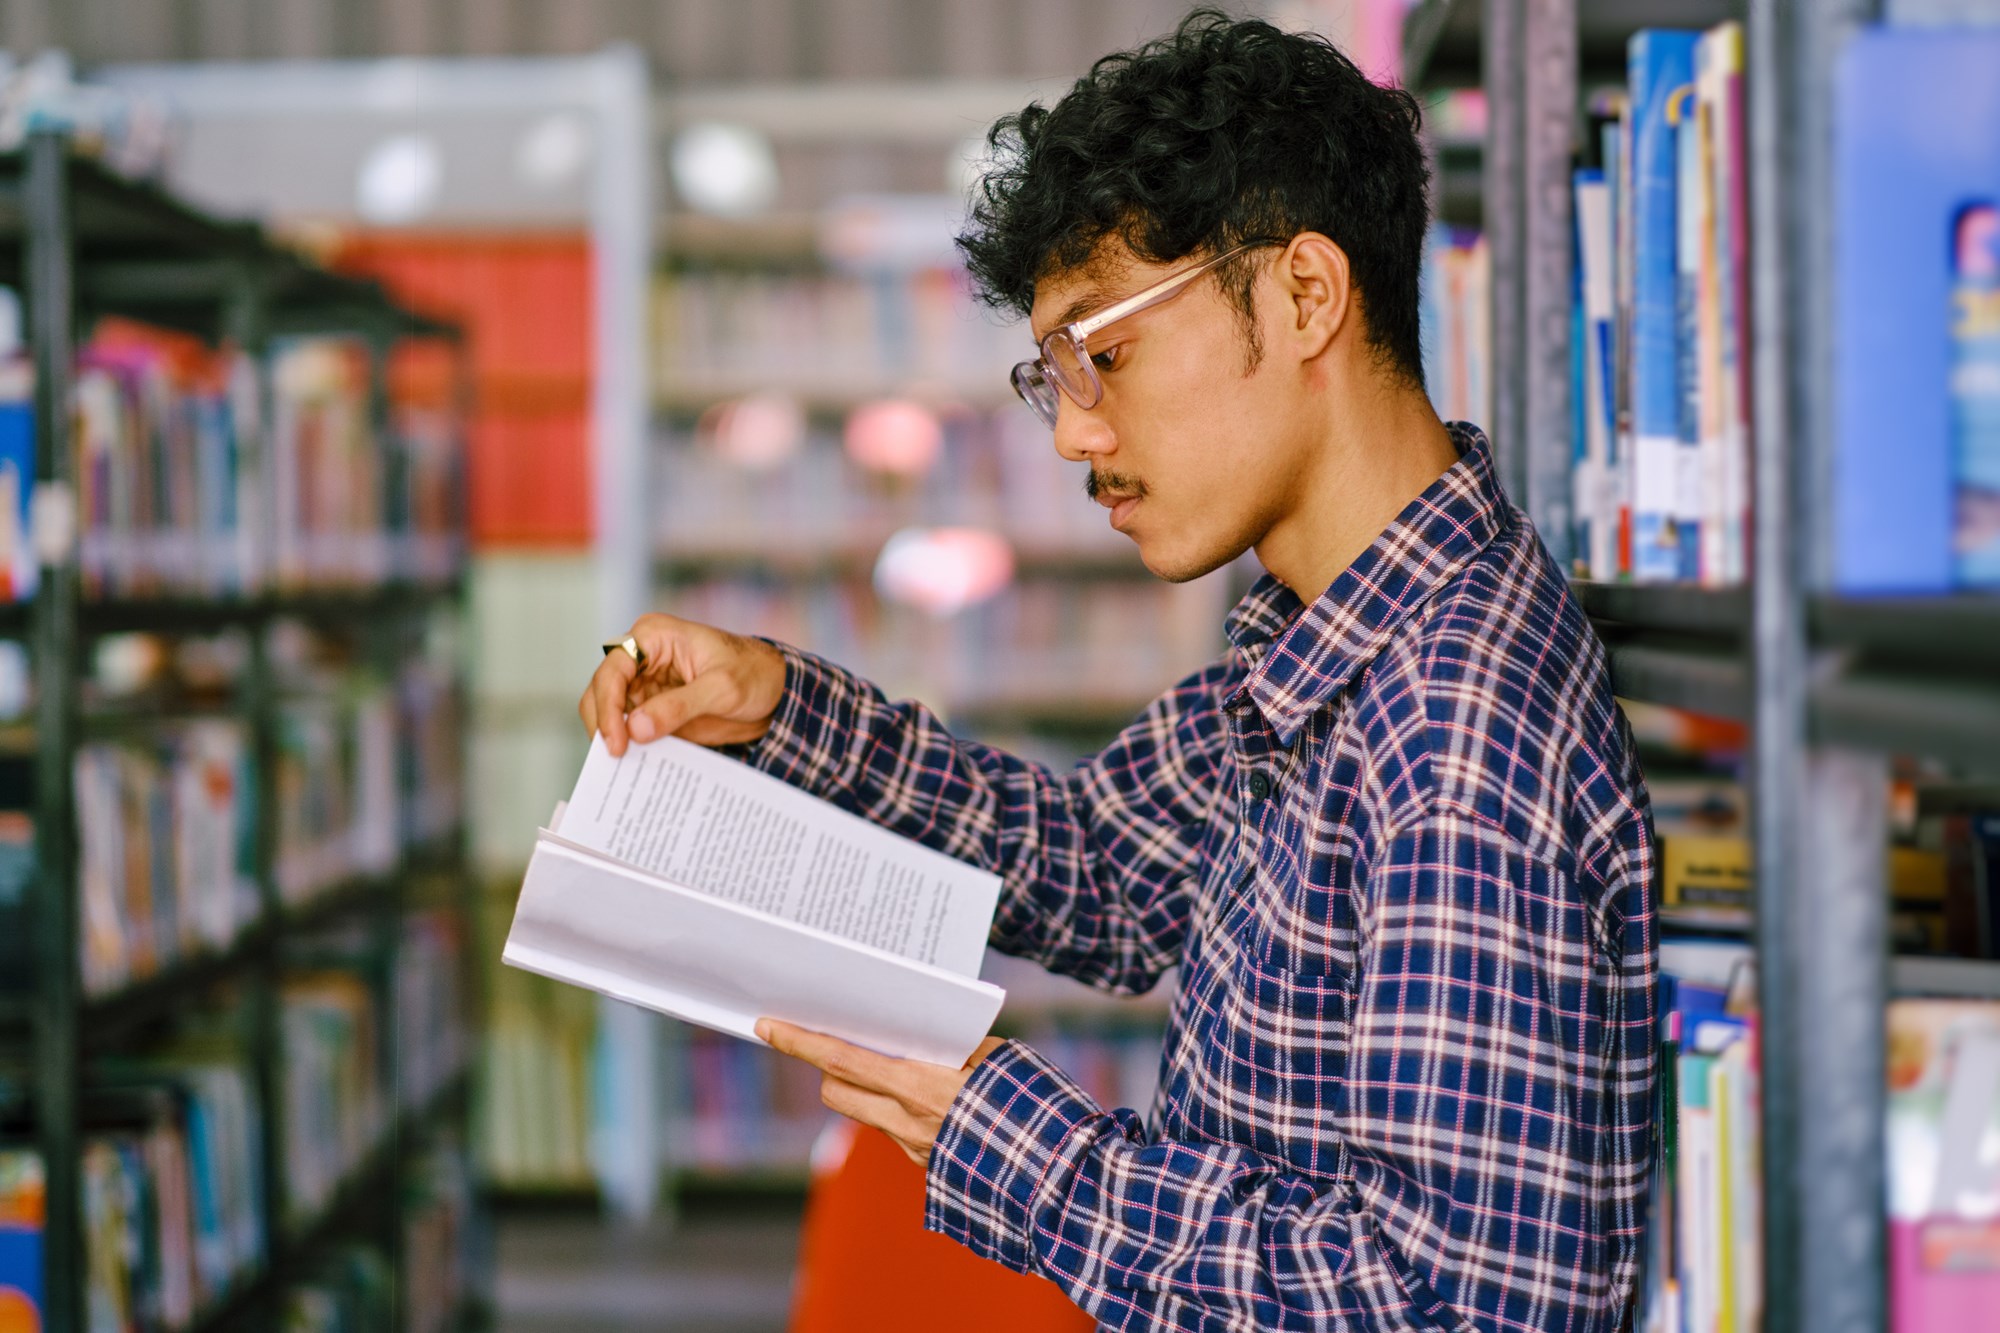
{"x":1395,"y":840}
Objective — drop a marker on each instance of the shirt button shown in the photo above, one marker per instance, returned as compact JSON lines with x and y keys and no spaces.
{"x":1260,"y":785}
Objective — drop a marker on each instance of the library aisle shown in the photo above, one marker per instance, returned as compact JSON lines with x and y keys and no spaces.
{"x":364,"y":368}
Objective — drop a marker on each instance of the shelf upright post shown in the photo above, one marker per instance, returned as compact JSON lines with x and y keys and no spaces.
{"x":246,"y":323}
{"x":381,"y":641}
{"x":1548,"y":94}
{"x":1503,"y":209}
{"x":1819,"y":815}
{"x":58,"y":990}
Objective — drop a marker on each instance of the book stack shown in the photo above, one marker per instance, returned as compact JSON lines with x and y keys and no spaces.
{"x":1095,"y":647}
{"x":437,"y":1235}
{"x":432,"y":738}
{"x":168,"y":496}
{"x":431,"y":1041}
{"x":1457,"y":325}
{"x":329,"y":491}
{"x":172,"y":1192}
{"x":427,"y":501}
{"x":335,"y":1108}
{"x":831,"y":335}
{"x":994,"y":469}
{"x":336,"y":788}
{"x":539,"y":1039}
{"x":174,"y":497}
{"x":1662,"y":371}
{"x":166,"y":865}
{"x":745,"y":1108}
{"x":1704,"y":1263}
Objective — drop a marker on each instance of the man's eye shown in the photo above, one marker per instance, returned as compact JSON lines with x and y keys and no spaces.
{"x":1105,"y":359}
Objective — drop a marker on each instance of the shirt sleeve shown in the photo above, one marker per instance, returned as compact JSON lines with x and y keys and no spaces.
{"x":1097,"y":865}
{"x":1469,"y":1188}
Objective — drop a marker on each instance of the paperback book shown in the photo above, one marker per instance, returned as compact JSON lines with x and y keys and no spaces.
{"x":684,"y":881}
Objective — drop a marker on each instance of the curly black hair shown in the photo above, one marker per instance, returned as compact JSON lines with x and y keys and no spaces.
{"x":1227,"y":131}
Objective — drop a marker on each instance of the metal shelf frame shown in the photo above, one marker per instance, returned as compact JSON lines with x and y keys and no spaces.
{"x":81,"y":242}
{"x":1829,"y":687}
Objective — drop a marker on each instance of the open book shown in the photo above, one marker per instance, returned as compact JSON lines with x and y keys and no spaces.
{"x":689,"y":883}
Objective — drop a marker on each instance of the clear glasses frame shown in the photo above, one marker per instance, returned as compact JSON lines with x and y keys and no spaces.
{"x":1065,"y":361}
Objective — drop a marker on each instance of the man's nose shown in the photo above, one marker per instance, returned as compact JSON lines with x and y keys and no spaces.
{"x":1081,"y":435}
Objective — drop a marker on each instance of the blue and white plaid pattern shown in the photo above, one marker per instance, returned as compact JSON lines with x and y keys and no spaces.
{"x":1399,"y":846}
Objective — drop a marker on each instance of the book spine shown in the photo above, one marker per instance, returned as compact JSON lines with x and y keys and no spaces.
{"x":1596,"y":478}
{"x":1661,"y":63}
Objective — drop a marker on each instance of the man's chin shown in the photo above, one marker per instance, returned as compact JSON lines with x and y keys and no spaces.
{"x":1177,"y":566}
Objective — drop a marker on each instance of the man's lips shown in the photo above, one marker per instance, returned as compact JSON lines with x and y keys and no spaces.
{"x":1121,"y":505}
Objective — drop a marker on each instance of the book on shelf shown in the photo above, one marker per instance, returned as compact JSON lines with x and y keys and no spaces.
{"x":20,"y":571}
{"x":1598,"y":503}
{"x":686,"y":882}
{"x":1456,"y":291}
{"x":165,"y":864}
{"x":180,"y":491}
{"x":1703,"y":1264}
{"x":1943,"y":1115}
{"x":171,"y":1191}
{"x":1661,"y":376}
{"x":1661,"y":62}
{"x":336,"y":1110}
{"x":23,"y":1218}
{"x":1915,"y":474}
{"x":721,"y":333}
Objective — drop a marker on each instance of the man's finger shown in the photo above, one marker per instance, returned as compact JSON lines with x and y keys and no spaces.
{"x":608,"y":688}
{"x":878,"y":1111}
{"x":670,"y":710}
{"x":830,"y":1055}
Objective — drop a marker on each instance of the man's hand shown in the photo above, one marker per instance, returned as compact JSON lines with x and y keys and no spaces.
{"x":699,"y":683}
{"x":905,"y":1099}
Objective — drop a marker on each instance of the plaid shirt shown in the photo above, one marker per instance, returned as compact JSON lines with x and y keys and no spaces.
{"x":1398,"y":844}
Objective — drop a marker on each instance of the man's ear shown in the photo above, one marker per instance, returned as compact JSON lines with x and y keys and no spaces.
{"x":1318,"y":290}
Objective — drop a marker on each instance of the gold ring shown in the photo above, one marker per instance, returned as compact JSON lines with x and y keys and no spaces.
{"x":630,"y":645}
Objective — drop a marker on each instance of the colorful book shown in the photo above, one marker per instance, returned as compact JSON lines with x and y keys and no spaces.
{"x":1916,"y":155}
{"x":1660,"y":64}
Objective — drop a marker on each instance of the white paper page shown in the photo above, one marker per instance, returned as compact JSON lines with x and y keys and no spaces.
{"x":697,"y":819}
{"x":593,"y":922}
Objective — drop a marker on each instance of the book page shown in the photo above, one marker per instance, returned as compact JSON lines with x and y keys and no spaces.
{"x":592,"y":921}
{"x":709,"y":823}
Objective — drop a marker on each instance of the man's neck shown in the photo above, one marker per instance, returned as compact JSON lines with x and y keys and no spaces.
{"x":1386,"y":449}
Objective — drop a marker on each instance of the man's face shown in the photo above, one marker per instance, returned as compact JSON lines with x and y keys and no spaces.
{"x":1194,"y":454}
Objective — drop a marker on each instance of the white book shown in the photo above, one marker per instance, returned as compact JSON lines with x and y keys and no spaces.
{"x":681,"y":880}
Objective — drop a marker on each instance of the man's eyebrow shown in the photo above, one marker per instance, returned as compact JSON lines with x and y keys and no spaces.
{"x":1087,"y":304}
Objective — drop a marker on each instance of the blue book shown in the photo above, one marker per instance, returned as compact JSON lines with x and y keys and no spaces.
{"x":19,"y":572}
{"x":1660,"y":62}
{"x":1916,"y":141}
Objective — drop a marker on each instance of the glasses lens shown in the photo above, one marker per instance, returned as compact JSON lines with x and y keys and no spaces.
{"x":1071,"y":369}
{"x":1036,"y":391}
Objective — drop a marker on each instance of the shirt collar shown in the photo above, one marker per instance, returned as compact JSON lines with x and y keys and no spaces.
{"x":1301,"y":655}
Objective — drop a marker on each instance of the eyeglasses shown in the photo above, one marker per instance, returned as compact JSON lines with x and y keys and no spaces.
{"x":1065,"y":363}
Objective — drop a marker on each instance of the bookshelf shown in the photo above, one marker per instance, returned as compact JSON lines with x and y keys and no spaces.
{"x":1828,"y":686}
{"x":80,"y":242}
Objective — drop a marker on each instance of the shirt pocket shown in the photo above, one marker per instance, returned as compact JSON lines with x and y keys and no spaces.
{"x":1289,"y":1035}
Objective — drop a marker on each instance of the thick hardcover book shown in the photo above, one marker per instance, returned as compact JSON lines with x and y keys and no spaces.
{"x":681,"y":880}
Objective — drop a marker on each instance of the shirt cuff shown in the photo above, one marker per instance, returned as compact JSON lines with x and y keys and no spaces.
{"x":1009,"y":1146}
{"x":810,"y":734}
